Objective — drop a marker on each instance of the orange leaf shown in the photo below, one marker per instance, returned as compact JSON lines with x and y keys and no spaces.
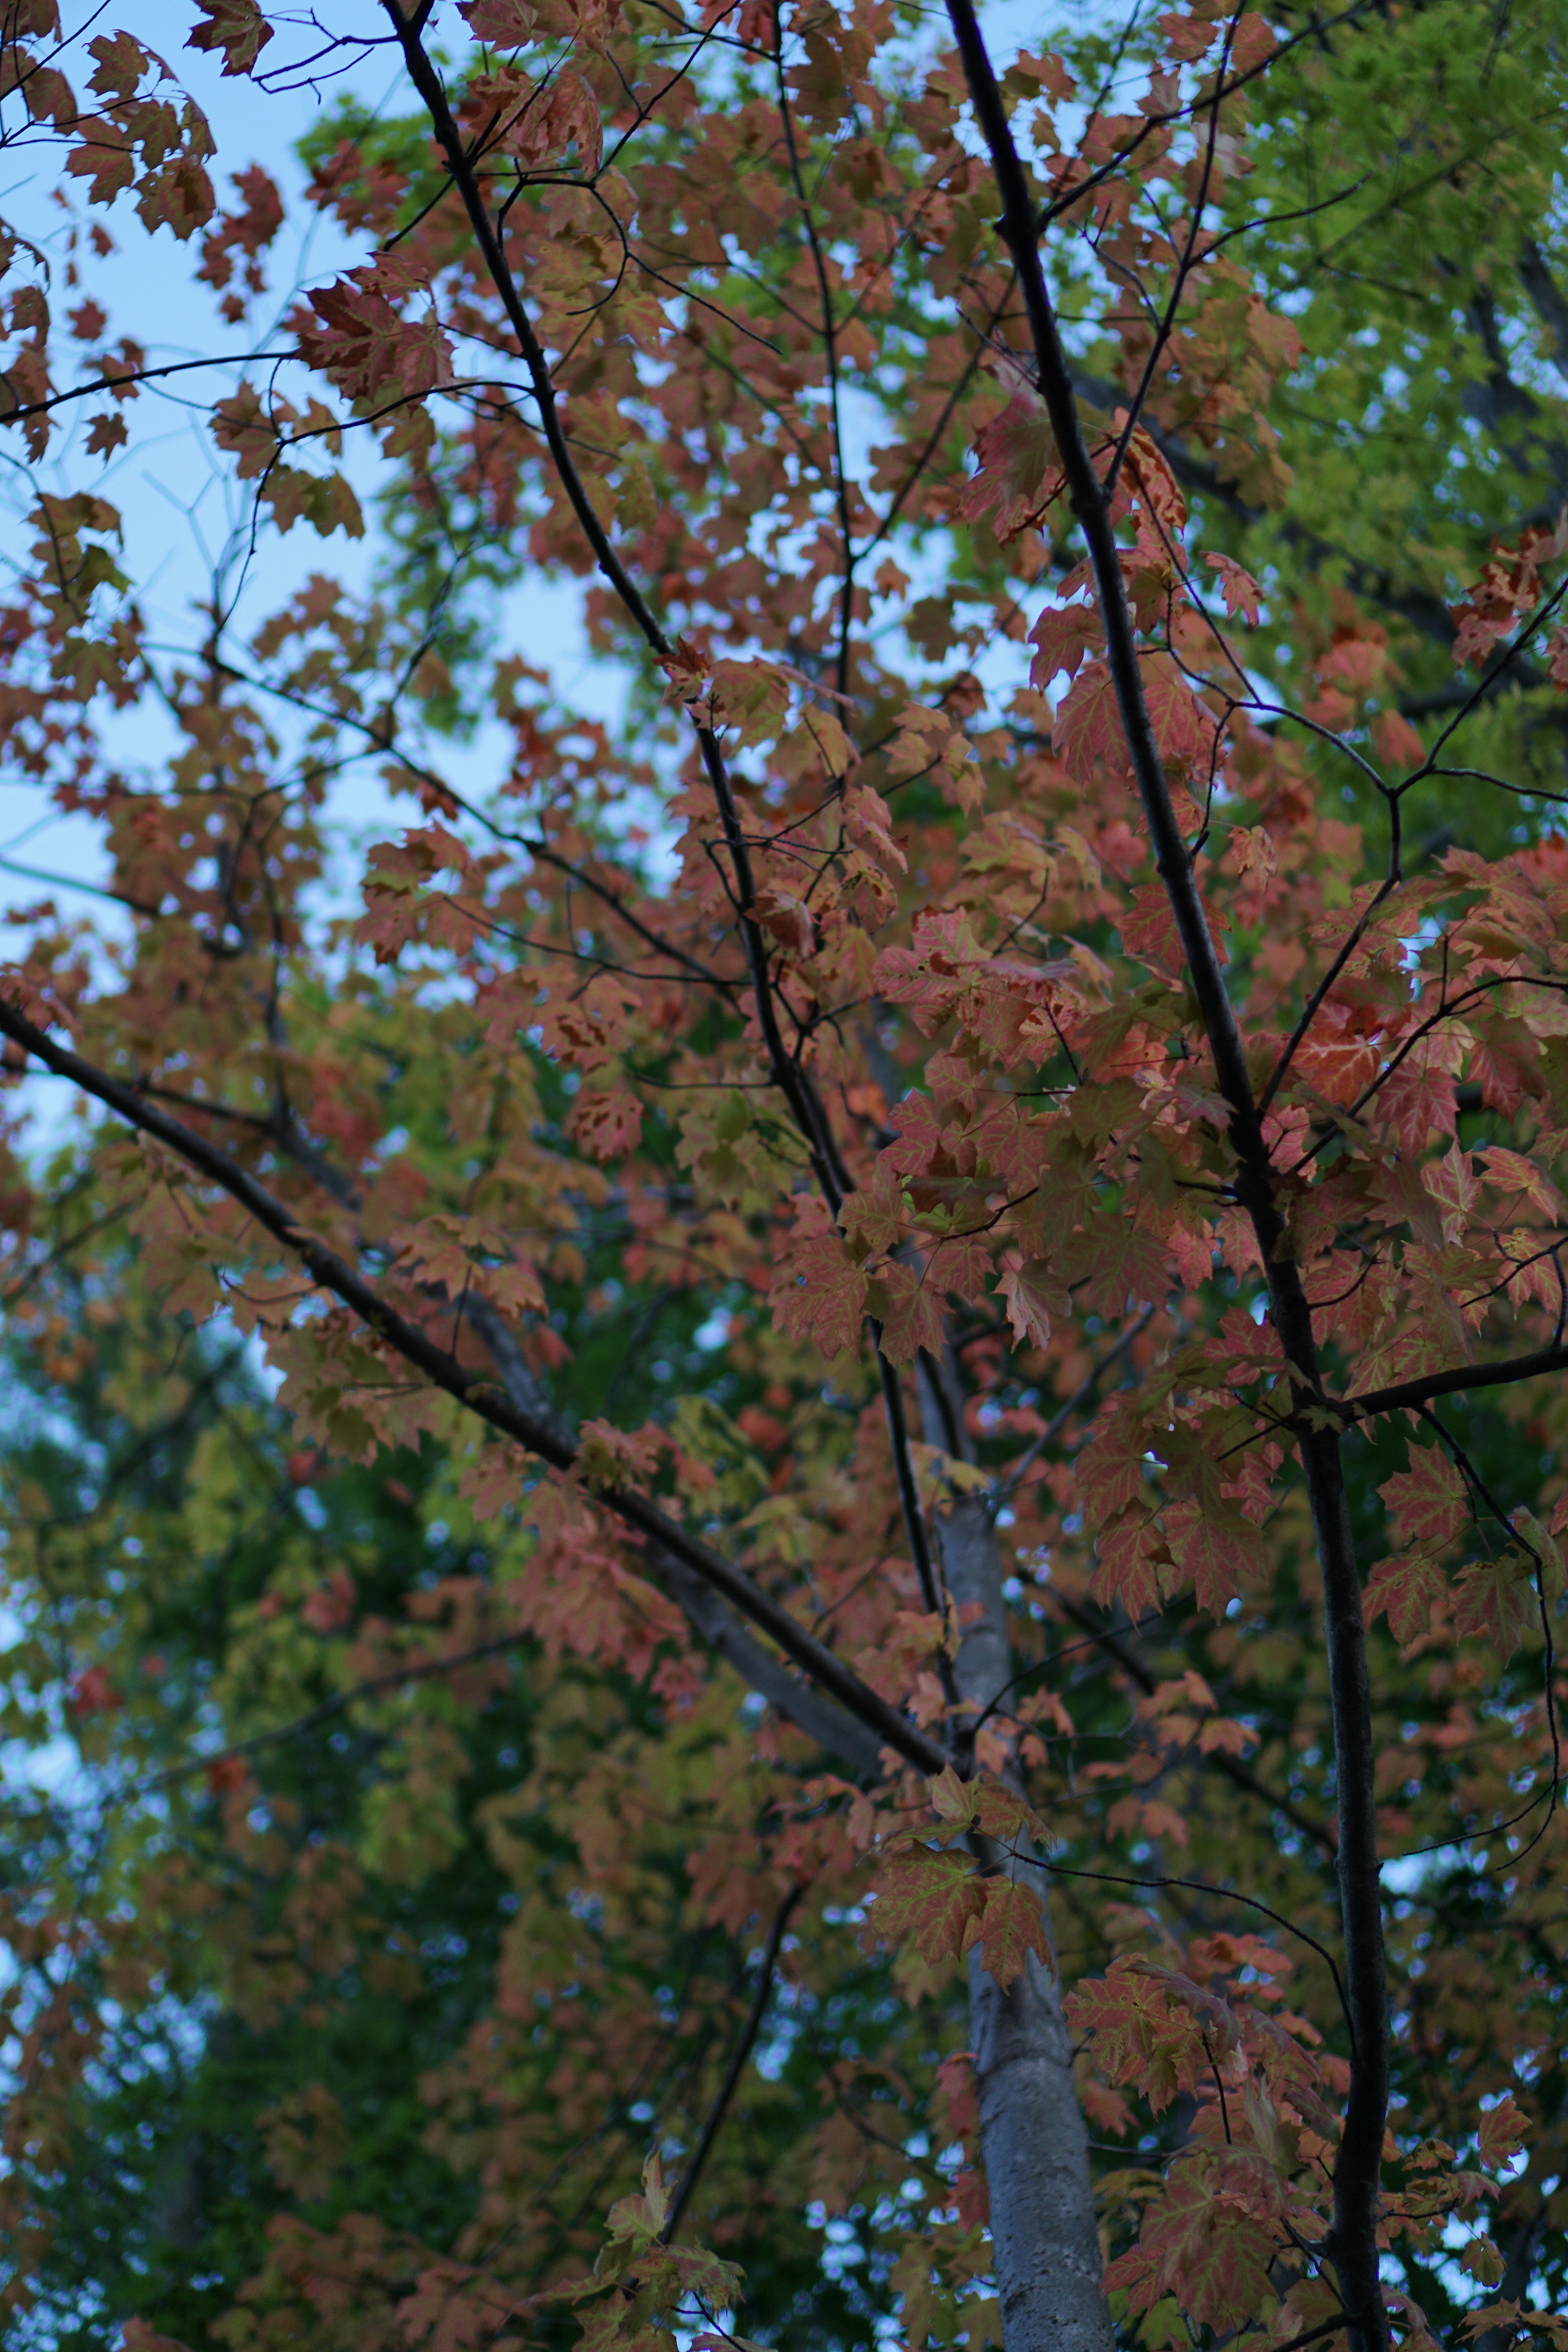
{"x":1012,"y":1926}
{"x":930,"y":1900}
{"x":1502,"y":2134}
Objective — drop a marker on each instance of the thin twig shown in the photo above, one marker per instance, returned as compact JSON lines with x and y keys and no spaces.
{"x":733,"y":2072}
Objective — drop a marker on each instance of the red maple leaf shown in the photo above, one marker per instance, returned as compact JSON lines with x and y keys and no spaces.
{"x":1217,"y":1548}
{"x":1502,"y":2133}
{"x":1019,"y":475}
{"x":1141,"y":2033}
{"x":1088,"y":727}
{"x":1031,"y":1295}
{"x":1242,"y":595}
{"x":1409,"y":1588}
{"x":823,"y":1297}
{"x":1130,"y":1547}
{"x":1110,"y":1468}
{"x":1063,"y":635}
{"x":607,"y":1124}
{"x":1206,"y":2240}
{"x":1496,"y":1597}
{"x":909,"y":1311}
{"x":930,"y":1899}
{"x":236,"y":28}
{"x":366,"y":346}
{"x":1012,"y":1926}
{"x":1428,"y":1501}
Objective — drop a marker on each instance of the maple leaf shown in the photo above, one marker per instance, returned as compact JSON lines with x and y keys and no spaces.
{"x":1496,"y":1597}
{"x":1217,"y":1549}
{"x":1242,"y":595}
{"x":1141,"y":2034}
{"x":873,"y":1217}
{"x":105,"y":435}
{"x":1146,"y":472}
{"x":508,"y":23}
{"x":909,"y":1311}
{"x":953,"y":1799}
{"x":1503,"y":2132}
{"x":823,"y":1294}
{"x":1206,"y":2240}
{"x":1510,"y":1171}
{"x":236,"y":28}
{"x":583,"y":1028}
{"x":1149,"y":930}
{"x":789,"y":920}
{"x":609,"y":1456}
{"x":1001,"y":1814}
{"x":1252,"y":41}
{"x":120,"y":63}
{"x":1062,"y":637}
{"x":1031,"y":1295}
{"x":1418,"y":1103}
{"x":749,"y":698}
{"x":1130,"y":1546}
{"x":1117,"y":1263}
{"x":1396,"y":741}
{"x":1034,"y":70}
{"x":606,"y":1122}
{"x":868,"y":821}
{"x":492,"y":1479}
{"x":1012,"y":1926}
{"x":929,"y":1901}
{"x":1019,"y":472}
{"x":1110,"y":1469}
{"x":1088,"y":726}
{"x":1187,"y":38}
{"x":921,"y":737}
{"x":366,"y":348}
{"x":1183,"y":730}
{"x":106,"y":158}
{"x":1409,"y":1588}
{"x":1429,"y":1502}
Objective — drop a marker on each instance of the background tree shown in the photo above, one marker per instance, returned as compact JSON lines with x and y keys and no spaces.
{"x":979,"y":1155}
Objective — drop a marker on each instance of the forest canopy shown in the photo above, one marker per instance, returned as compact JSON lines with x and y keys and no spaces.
{"x":781,"y":1199}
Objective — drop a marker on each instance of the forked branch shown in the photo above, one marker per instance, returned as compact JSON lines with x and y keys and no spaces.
{"x":1352,"y":2244}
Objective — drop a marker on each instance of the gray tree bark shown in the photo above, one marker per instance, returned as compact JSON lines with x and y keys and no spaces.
{"x":1032,"y":2135}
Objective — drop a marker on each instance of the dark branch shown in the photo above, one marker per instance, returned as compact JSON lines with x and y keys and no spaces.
{"x":733,"y":2072}
{"x":481,"y":1397}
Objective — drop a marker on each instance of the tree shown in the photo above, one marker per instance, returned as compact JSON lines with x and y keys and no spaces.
{"x":1082,"y":1105}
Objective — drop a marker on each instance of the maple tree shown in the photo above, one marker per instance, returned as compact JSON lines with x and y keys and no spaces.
{"x":978,"y":1159}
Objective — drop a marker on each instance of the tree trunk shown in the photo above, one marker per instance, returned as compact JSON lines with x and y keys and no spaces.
{"x":1032,"y":2135}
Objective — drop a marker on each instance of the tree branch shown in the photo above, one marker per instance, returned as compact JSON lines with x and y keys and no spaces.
{"x":792,"y":1080}
{"x":733,"y":2072}
{"x":1404,"y":1394}
{"x":1353,"y":2241}
{"x":1134,"y":1666}
{"x":539,"y":1435}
